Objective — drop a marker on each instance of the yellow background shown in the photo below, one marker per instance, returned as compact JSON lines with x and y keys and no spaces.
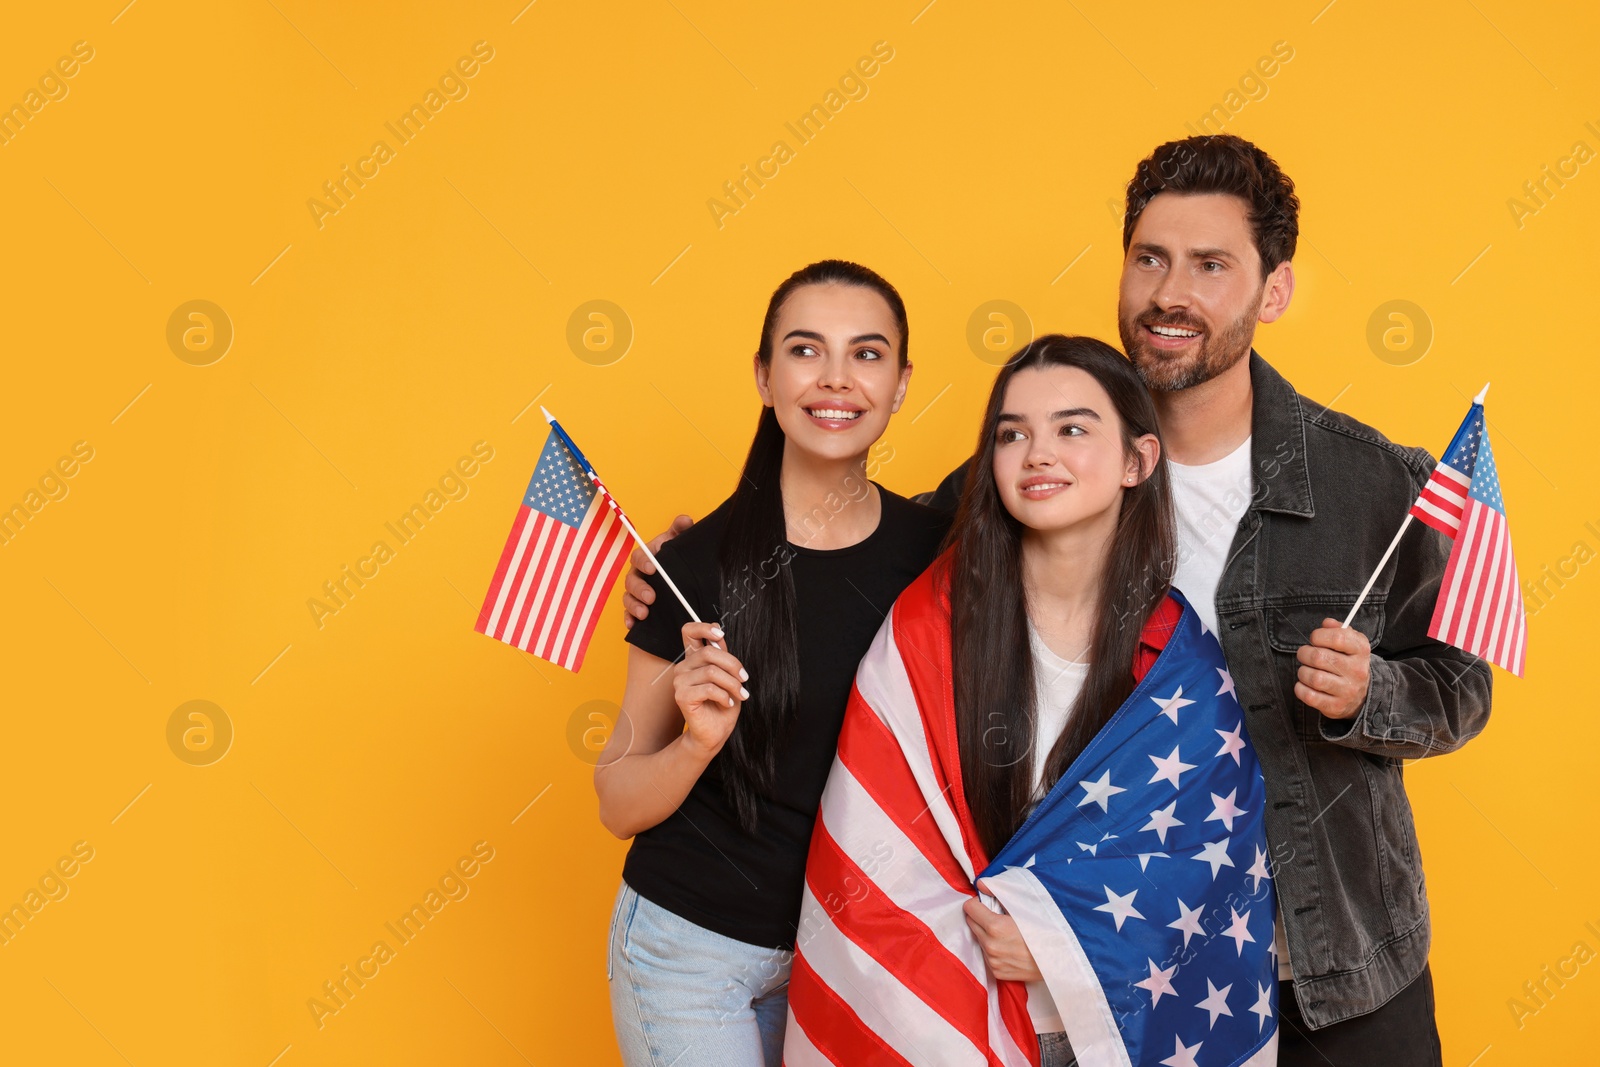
{"x":369,"y":354}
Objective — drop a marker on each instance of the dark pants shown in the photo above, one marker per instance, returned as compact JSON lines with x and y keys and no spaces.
{"x":1402,"y":1033}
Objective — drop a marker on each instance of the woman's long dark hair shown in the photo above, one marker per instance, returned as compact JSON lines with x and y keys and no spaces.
{"x":993,"y":656}
{"x":758,"y":599}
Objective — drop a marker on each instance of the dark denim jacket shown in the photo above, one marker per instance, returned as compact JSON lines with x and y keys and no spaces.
{"x":1329,"y":494}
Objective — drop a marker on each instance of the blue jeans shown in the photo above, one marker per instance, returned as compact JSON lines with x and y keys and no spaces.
{"x":682,"y":995}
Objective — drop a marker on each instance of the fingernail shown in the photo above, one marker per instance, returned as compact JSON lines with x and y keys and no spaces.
{"x":716,"y":631}
{"x":744,"y":694}
{"x":744,"y":675}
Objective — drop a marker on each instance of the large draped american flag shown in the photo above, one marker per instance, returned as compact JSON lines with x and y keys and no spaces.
{"x":1480,"y":601}
{"x":1141,"y":883}
{"x":566,"y":547}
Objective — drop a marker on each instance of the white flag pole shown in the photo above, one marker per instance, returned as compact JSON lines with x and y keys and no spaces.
{"x":1392,"y":544}
{"x":1377,"y":570}
{"x":617,"y":511}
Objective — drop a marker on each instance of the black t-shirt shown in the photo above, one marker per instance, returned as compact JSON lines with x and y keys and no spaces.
{"x":699,"y":863}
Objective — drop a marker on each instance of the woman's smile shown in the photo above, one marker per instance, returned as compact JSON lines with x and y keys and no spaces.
{"x":834,"y":414}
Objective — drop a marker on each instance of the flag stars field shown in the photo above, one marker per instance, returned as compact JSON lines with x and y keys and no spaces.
{"x":1163,"y":820}
{"x":1216,"y":1002}
{"x":1170,"y":768}
{"x":1170,"y":706}
{"x":1224,"y":810}
{"x":1216,"y":854}
{"x":1100,"y":792}
{"x":1188,"y":921}
{"x":1262,"y":1007}
{"x":1258,"y":870}
{"x":1239,"y":930}
{"x":1184,"y":1056}
{"x":1120,"y":907}
{"x":1159,"y":983}
{"x":1232,"y":742}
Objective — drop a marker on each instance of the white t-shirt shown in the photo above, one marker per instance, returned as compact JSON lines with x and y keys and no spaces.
{"x":1210,"y":499}
{"x":1056,"y":683}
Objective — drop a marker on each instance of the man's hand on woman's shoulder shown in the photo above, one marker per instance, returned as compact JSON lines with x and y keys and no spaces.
{"x":637,"y":595}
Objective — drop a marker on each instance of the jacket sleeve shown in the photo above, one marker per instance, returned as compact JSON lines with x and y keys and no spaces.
{"x":1425,"y":697}
{"x":947,"y":497}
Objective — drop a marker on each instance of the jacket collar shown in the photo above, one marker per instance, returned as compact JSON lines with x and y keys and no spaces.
{"x":1282,"y":481}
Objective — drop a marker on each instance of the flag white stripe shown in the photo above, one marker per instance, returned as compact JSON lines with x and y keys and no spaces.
{"x":554,"y":581}
{"x":886,"y":688}
{"x":596,"y":591}
{"x":1522,"y":635}
{"x":896,"y":1014}
{"x":1489,"y":552}
{"x":864,"y":832}
{"x":1424,"y":504}
{"x":1469,"y":567}
{"x":1498,"y":625}
{"x":1452,"y":594}
{"x":798,"y":1051}
{"x":527,"y":609}
{"x":1510,"y":611}
{"x":1091,"y":1027}
{"x":1444,"y":470}
{"x":511,"y":573}
{"x":559,"y":620}
{"x":1449,"y":491}
{"x":550,"y":537}
{"x":1480,"y":547}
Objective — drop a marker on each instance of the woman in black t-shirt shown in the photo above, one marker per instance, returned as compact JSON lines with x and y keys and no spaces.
{"x":728,"y":727}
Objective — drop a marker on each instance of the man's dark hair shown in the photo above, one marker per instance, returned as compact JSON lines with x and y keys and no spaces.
{"x":1222,"y":163}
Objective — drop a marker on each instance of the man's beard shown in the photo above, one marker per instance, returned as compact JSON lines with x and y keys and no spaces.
{"x":1163,"y":373}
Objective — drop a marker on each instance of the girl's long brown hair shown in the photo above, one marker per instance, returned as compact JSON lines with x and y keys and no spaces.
{"x":993,"y":657}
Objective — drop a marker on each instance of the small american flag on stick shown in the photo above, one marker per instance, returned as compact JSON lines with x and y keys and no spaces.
{"x":566,"y":548}
{"x":1480,"y":603}
{"x":1480,"y":606}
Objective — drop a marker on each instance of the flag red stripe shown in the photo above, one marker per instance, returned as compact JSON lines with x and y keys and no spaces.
{"x":1466,"y":550}
{"x":900,"y":942}
{"x":925,"y":654}
{"x":1457,"y":574}
{"x":1522,"y":638}
{"x":1492,"y":622}
{"x":581,"y":628}
{"x":506,"y":555}
{"x":832,"y":1025}
{"x":516,"y":590}
{"x":538,"y":626}
{"x":522,"y":590}
{"x":563,"y":599}
{"x":1454,"y":503}
{"x":1505,"y":620}
{"x":1510,"y":620}
{"x":592,"y":614}
{"x":536,"y":583}
{"x":873,"y":755}
{"x":1433,"y":520}
{"x":1486,"y":552}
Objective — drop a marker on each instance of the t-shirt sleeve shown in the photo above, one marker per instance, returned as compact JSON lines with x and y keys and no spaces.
{"x":660,"y":632}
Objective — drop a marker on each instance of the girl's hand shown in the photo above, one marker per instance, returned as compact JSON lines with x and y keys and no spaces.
{"x":707,"y":684}
{"x":1004,"y":950}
